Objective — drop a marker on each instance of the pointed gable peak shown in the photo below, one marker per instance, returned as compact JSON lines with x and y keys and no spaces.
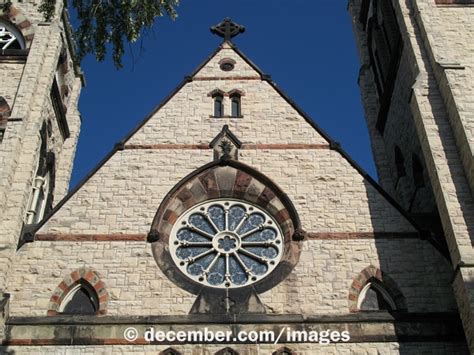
{"x":227,"y":62}
{"x":225,"y":144}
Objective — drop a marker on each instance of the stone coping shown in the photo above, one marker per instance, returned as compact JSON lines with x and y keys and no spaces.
{"x":109,"y":330}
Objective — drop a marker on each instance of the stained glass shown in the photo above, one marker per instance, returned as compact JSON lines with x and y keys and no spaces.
{"x":226,"y":243}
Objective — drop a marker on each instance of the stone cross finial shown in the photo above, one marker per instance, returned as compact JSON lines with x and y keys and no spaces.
{"x":227,"y":29}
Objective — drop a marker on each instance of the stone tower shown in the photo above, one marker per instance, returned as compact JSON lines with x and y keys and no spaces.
{"x":39,"y":120}
{"x":417,"y":84}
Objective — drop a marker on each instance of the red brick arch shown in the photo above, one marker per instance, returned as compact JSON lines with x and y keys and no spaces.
{"x":17,"y":18}
{"x":236,"y":180}
{"x":373,"y":273}
{"x":83,"y":275}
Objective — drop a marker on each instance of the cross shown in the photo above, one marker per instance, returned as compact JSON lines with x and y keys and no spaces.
{"x":227,"y":29}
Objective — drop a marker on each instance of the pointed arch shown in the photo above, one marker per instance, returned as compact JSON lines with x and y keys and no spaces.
{"x":284,"y":351}
{"x":16,"y":18}
{"x":385,"y":287}
{"x":88,"y":283}
{"x":399,"y":162}
{"x":227,"y":351}
{"x":234,"y":180}
{"x":417,"y":171}
{"x":170,"y":351}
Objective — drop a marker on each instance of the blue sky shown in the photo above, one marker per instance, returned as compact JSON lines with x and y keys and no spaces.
{"x":306,"y":46}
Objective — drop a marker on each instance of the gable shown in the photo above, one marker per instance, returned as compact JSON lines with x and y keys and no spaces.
{"x":123,"y":194}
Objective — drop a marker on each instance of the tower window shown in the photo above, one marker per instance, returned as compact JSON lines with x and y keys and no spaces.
{"x":10,"y":37}
{"x":384,"y":43}
{"x":399,"y":162}
{"x":417,"y":167}
{"x":82,"y":299}
{"x":374,"y":297}
{"x":218,"y":106}
{"x":43,"y":183}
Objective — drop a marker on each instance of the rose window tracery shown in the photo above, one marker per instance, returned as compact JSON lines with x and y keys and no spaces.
{"x":226,"y":243}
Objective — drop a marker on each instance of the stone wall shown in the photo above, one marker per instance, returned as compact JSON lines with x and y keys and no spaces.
{"x":329,"y":194}
{"x":29,"y":86}
{"x":439,"y":60}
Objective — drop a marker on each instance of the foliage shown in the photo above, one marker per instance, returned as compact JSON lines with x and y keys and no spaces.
{"x":103,"y":22}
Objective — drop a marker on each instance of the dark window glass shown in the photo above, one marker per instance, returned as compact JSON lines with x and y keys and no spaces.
{"x":236,"y":106}
{"x":82,"y":302}
{"x":399,"y":162}
{"x":374,"y":301}
{"x":418,"y":179}
{"x":384,"y":41}
{"x":218,"y":108}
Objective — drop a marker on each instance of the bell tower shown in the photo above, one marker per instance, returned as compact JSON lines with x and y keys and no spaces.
{"x":416,"y":80}
{"x":40,"y":83}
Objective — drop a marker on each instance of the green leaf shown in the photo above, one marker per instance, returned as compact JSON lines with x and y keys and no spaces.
{"x":111,"y":22}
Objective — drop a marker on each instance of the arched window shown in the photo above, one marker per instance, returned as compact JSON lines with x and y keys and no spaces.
{"x":218,"y":106}
{"x":373,"y":290}
{"x":374,"y":297}
{"x":417,"y":167}
{"x":81,"y":292}
{"x":284,"y":351}
{"x":227,"y":351}
{"x":399,"y":162}
{"x":82,"y":299}
{"x":10,"y":37}
{"x":235,"y":102}
{"x":170,"y":351}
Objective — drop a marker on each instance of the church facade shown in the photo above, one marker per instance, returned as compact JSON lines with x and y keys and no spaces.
{"x":228,"y":209}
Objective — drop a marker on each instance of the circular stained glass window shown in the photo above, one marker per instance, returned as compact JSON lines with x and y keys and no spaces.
{"x":226,"y":243}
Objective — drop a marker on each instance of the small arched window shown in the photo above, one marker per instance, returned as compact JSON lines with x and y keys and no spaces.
{"x":10,"y":37}
{"x":399,"y":162}
{"x":227,"y":351}
{"x":374,"y":297}
{"x":235,"y":102}
{"x":218,"y":105}
{"x":82,"y":299}
{"x":417,"y":167}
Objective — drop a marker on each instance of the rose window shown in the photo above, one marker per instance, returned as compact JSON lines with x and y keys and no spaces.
{"x":226,"y":243}
{"x":10,"y":38}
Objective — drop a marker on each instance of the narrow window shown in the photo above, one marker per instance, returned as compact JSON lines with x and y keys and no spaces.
{"x":373,"y":297}
{"x":39,"y":199}
{"x":218,"y":106}
{"x":399,"y":162}
{"x":82,"y":299}
{"x":43,"y":184}
{"x":417,"y":167}
{"x":236,"y":106}
{"x":227,"y":351}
